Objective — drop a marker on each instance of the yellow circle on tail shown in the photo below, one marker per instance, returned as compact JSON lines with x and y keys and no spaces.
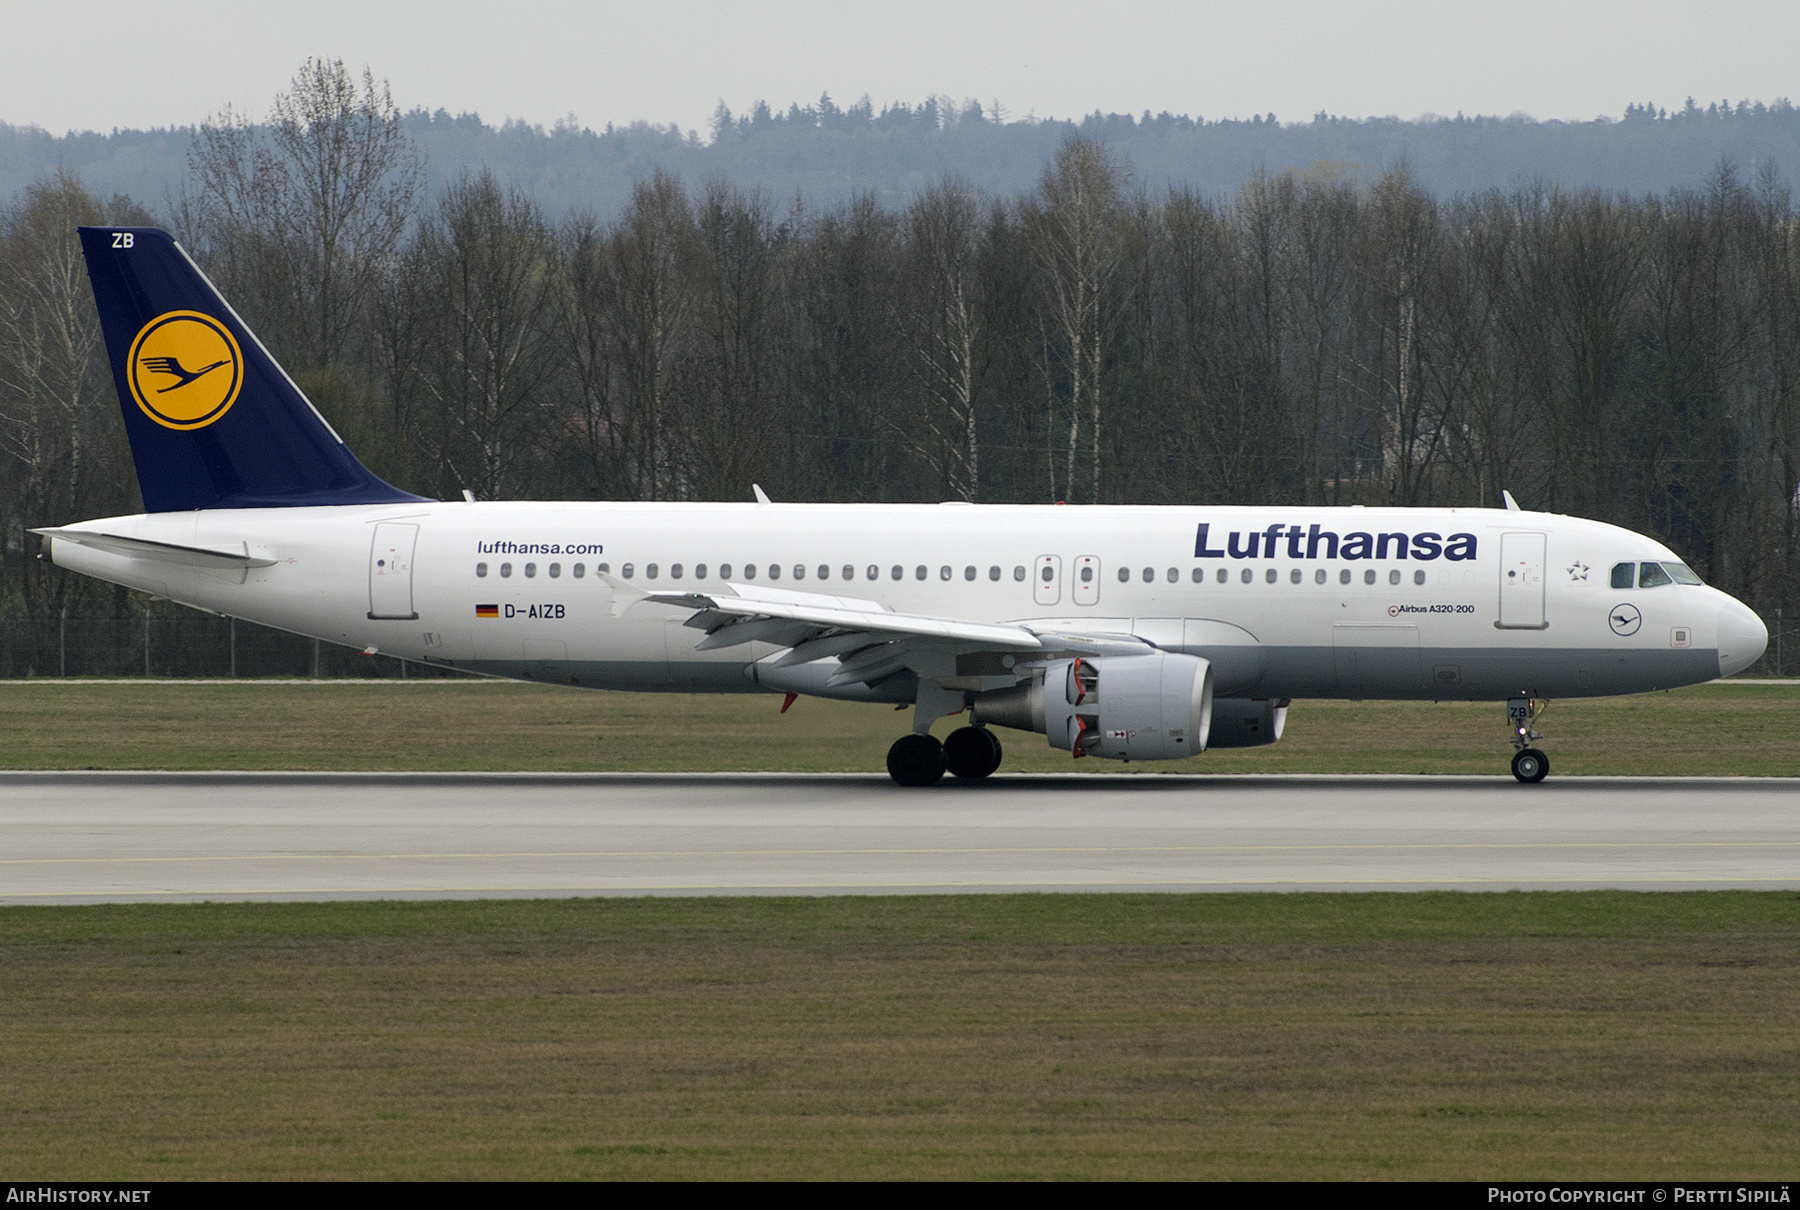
{"x":185,"y":369}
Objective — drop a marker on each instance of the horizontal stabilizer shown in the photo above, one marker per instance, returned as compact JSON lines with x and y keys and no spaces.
{"x":237,"y":556}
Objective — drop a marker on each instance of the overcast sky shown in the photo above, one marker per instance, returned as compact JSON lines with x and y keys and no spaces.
{"x":108,"y":63}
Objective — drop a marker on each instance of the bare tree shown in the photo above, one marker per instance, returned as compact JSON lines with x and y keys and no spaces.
{"x":62,"y":450}
{"x":311,"y":208}
{"x":732,"y":422}
{"x":491,"y":354}
{"x":649,"y":310}
{"x":943,"y":315}
{"x":1075,"y":224}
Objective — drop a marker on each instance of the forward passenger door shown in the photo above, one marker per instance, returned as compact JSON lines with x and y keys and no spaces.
{"x":1521,"y":582}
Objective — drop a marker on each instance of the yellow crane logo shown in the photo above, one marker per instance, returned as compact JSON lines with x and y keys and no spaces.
{"x":184,"y":369}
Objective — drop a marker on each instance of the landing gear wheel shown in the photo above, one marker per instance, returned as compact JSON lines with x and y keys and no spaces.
{"x":916,"y":760}
{"x":972,"y":752}
{"x":1529,"y":765}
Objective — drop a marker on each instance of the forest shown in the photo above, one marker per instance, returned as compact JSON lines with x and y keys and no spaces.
{"x":1322,"y":335}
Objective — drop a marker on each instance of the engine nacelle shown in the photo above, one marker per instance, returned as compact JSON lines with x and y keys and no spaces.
{"x":1156,"y":706}
{"x":1242,"y":722}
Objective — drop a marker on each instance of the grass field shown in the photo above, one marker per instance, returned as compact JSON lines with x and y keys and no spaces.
{"x":1731,"y":729}
{"x":1592,"y":1035}
{"x":1529,"y":1036}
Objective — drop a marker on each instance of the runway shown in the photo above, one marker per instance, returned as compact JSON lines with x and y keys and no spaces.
{"x":125,"y":837}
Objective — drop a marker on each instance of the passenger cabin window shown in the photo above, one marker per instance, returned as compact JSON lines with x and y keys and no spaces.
{"x":481,"y":571}
{"x":749,"y":571}
{"x":555,"y":570}
{"x":1344,"y":576}
{"x":1124,"y":575}
{"x":1174,"y":576}
{"x":774,"y":571}
{"x":1019,"y":573}
{"x":850,"y":572}
{"x":531,"y":570}
{"x":579,"y":570}
{"x":873,"y":572}
{"x":1269,"y":576}
{"x":1418,"y":577}
{"x":969,"y":573}
{"x":724,"y":571}
{"x":1294,"y":576}
{"x":1319,"y":576}
{"x":627,"y":571}
{"x":1149,"y":575}
{"x":699,"y":571}
{"x":920,"y":572}
{"x":1651,"y":575}
{"x":1246,"y":575}
{"x":1223,"y":575}
{"x":674,"y":571}
{"x":649,"y":570}
{"x":601,"y":569}
{"x":1622,"y":574}
{"x":1087,"y":573}
{"x":1199,"y":575}
{"x":944,"y":572}
{"x":994,"y":573}
{"x":1369,"y":576}
{"x":898,"y":573}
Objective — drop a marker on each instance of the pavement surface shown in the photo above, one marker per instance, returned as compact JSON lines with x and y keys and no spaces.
{"x":132,"y":837}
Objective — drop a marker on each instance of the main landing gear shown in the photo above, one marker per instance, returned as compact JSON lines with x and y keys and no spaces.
{"x":1529,"y":765}
{"x":920,"y":760}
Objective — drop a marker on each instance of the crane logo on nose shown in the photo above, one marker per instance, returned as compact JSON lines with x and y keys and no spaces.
{"x":184,"y":369}
{"x":1624,"y":620}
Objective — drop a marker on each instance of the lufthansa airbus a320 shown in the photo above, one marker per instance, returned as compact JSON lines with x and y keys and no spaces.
{"x":1126,"y":633}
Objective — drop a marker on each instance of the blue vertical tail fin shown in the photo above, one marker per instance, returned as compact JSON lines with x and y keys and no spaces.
{"x":214,"y":422}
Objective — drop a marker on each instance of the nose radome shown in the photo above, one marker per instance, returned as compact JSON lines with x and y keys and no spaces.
{"x":1742,"y":638}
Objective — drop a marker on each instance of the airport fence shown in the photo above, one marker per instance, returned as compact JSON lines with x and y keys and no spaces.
{"x":149,"y":643}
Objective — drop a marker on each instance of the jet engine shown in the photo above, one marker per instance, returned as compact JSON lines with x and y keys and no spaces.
{"x":1135,"y":707}
{"x":1242,"y":722}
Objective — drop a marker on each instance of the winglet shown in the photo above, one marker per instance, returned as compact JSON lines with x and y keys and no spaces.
{"x":762,"y":497}
{"x":1512,"y":506}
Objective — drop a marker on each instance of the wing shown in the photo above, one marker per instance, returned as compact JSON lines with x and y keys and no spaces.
{"x":869,"y":641}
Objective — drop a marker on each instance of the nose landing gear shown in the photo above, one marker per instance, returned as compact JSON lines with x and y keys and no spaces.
{"x":1529,"y":764}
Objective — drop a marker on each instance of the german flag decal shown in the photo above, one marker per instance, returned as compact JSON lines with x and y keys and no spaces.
{"x":487,"y":611}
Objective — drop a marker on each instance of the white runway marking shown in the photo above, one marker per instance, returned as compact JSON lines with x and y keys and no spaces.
{"x":100,"y":837}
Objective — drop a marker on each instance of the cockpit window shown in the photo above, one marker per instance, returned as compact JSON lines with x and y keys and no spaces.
{"x":1680,"y":573}
{"x":1622,"y":574}
{"x":1651,"y":575}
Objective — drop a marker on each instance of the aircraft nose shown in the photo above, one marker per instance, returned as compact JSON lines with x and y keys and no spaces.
{"x":1742,"y":638}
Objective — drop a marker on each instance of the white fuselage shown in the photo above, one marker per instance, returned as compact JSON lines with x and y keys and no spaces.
{"x":512,"y":589}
